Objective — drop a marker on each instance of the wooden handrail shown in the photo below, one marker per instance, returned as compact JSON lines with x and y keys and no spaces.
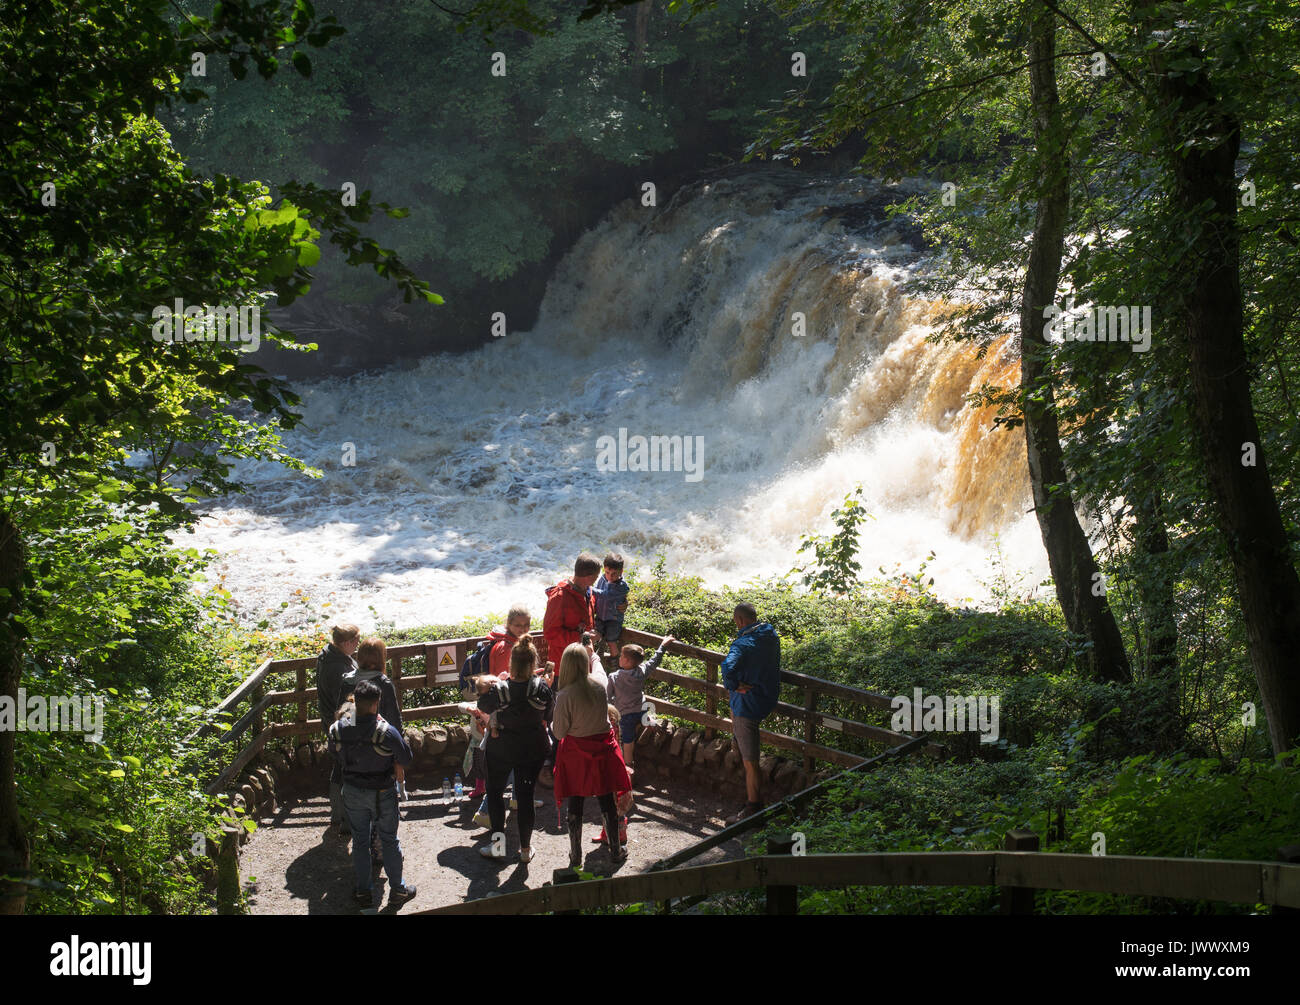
{"x":1229,"y":880}
{"x":433,"y":677}
{"x":791,"y":802}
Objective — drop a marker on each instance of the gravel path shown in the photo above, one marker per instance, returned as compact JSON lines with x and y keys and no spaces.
{"x":294,"y":864}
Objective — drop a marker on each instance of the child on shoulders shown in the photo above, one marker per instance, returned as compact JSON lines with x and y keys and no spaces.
{"x":609,"y":598}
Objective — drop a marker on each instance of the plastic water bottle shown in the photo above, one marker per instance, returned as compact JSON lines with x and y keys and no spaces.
{"x":446,"y":791}
{"x":460,"y":788}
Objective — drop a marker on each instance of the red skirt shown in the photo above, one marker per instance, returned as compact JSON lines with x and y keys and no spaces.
{"x":590,"y":766}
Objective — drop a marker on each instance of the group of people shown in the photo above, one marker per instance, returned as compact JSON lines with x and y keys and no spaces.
{"x":558,"y":717}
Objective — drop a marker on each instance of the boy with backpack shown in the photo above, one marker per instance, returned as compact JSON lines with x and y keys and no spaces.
{"x":367,"y":748}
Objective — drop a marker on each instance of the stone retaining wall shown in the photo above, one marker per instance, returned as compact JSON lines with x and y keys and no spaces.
{"x":669,"y":753}
{"x":665,"y":754}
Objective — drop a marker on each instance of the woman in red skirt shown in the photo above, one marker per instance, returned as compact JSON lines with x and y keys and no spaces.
{"x":588,"y":762}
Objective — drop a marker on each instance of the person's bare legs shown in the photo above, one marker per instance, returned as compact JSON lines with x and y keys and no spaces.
{"x":752,"y":792}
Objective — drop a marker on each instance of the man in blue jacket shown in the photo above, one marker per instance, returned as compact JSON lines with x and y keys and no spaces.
{"x":366,"y":748}
{"x":751,"y":673}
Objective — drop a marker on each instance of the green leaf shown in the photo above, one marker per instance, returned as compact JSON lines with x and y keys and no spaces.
{"x":308,"y":255}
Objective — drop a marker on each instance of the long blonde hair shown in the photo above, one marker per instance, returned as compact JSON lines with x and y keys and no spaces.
{"x":523,"y":659}
{"x":575,"y":669}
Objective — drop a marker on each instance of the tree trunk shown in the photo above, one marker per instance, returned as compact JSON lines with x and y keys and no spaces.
{"x":1078,"y":584}
{"x":1159,"y":625}
{"x":14,"y":855}
{"x":1209,"y":322}
{"x":638,"y":53}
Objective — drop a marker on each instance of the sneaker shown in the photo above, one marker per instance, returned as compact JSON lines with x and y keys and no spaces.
{"x":401,"y":894}
{"x":487,"y":852}
{"x":481,"y":819}
{"x":525,"y":855}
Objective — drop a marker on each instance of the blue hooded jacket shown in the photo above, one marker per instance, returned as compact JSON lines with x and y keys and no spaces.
{"x":754,"y":659}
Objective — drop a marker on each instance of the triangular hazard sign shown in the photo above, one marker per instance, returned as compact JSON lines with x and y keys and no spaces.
{"x":446,"y":661}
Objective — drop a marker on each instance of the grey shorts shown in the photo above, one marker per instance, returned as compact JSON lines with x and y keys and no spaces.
{"x":610,"y":631}
{"x":746,"y":733}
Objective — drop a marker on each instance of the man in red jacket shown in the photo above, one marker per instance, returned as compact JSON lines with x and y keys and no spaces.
{"x":569,"y":608}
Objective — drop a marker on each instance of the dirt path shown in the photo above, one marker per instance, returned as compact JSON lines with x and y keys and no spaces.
{"x":292,"y":865}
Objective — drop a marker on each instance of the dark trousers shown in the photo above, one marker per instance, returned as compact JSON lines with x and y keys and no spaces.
{"x":607,"y":805}
{"x":498,"y":770}
{"x":337,"y":813}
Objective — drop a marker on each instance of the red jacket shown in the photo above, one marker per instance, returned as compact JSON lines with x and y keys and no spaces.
{"x":568,"y":614}
{"x":589,"y":766}
{"x":503,"y":643}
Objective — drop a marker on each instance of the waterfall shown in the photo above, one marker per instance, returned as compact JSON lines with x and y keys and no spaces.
{"x":476,"y":475}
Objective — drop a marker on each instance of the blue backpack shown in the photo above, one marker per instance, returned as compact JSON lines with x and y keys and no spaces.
{"x":476,"y":663}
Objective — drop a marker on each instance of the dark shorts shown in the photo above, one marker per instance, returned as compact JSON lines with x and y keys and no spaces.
{"x":627,"y":725}
{"x":746,"y":733}
{"x":610,"y":631}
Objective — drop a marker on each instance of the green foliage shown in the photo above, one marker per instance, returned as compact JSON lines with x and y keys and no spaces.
{"x":111,"y":429}
{"x":1178,"y":807}
{"x":834,"y":567}
{"x":494,"y":166}
{"x":114,"y":827}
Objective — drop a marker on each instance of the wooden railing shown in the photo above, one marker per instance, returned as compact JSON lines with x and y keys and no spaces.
{"x":442,"y":663}
{"x":813,"y":690}
{"x":1017,"y":874}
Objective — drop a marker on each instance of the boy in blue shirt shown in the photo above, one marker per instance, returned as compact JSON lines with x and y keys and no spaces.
{"x":609,"y":597}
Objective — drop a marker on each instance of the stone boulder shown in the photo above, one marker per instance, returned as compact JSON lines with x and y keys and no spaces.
{"x":434,"y":741}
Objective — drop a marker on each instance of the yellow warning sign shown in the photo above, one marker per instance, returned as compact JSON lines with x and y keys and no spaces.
{"x":446,"y":660}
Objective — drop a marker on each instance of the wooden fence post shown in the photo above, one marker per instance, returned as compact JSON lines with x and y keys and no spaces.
{"x":810,"y":729}
{"x":302,"y":686}
{"x":397,"y":677}
{"x":562,"y":876}
{"x":259,"y":693}
{"x":710,"y":698}
{"x":1019,"y":899}
{"x":1290,"y":855}
{"x":228,"y":871}
{"x":782,"y":899}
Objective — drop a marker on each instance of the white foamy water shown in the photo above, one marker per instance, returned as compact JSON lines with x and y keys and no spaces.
{"x":476,"y":480}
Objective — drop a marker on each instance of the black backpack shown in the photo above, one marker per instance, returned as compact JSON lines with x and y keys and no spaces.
{"x":476,"y":663}
{"x":534,"y":693}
